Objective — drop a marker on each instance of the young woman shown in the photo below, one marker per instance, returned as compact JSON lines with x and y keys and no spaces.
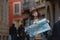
{"x":34,"y":17}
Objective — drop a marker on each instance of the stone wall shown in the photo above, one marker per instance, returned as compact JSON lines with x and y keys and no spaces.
{"x":4,"y":32}
{"x":4,"y":29}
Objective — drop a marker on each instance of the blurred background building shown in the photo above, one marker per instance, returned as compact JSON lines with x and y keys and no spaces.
{"x":51,"y":9}
{"x":4,"y":29}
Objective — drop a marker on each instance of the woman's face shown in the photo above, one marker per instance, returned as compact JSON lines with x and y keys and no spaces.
{"x":35,"y":14}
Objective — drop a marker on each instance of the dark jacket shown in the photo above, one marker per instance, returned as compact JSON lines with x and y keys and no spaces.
{"x":56,"y":31}
{"x":20,"y":32}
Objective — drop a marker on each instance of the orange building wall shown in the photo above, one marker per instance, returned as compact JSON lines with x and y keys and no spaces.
{"x":11,"y":16}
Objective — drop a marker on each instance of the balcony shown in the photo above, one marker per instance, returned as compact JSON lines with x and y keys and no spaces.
{"x":27,"y":4}
{"x":33,"y":3}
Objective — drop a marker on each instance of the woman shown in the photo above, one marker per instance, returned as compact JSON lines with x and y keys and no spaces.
{"x":35,"y":16}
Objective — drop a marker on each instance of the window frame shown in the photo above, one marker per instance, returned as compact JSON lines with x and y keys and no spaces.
{"x":15,"y":3}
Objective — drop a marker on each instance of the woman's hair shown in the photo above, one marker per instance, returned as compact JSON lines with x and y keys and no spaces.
{"x":32,"y":17}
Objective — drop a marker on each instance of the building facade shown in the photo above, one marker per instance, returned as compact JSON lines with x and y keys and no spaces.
{"x":4,"y":29}
{"x":51,"y":9}
{"x":14,"y":11}
{"x":55,"y":7}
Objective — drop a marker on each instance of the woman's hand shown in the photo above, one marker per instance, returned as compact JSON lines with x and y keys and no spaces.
{"x":47,"y":21}
{"x":25,"y":30}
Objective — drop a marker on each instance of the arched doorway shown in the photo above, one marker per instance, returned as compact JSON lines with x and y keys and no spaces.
{"x":49,"y":14}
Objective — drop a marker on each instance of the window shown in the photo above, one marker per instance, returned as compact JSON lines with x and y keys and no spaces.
{"x":37,"y":2}
{"x":26,"y":2}
{"x":17,"y":8}
{"x":42,"y":1}
{"x":1,"y":13}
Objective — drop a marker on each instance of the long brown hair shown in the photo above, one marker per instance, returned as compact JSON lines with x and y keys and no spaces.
{"x":32,"y":17}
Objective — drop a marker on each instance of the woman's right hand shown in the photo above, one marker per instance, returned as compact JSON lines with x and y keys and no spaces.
{"x":25,"y":30}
